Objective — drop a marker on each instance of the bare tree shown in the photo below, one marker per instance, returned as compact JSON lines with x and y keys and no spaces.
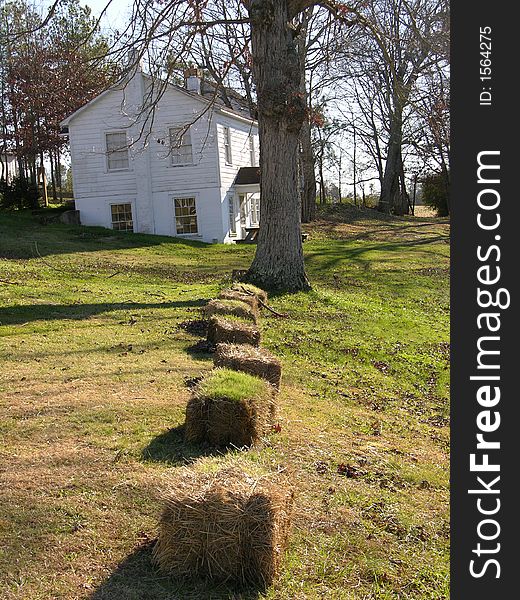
{"x":273,"y":30}
{"x":401,"y":41}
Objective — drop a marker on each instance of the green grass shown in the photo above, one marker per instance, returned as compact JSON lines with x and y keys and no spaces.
{"x":93,"y":393}
{"x":224,"y":384}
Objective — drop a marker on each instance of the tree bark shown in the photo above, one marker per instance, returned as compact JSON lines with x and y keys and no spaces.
{"x":390,"y":183}
{"x":278,"y":262}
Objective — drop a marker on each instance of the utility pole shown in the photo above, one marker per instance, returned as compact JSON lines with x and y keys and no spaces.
{"x":43,"y":178}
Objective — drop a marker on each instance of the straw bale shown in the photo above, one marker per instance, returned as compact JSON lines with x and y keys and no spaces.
{"x":229,"y":294}
{"x":255,"y":361}
{"x":239,"y":413}
{"x":247,"y":288}
{"x":229,"y":526}
{"x":237,"y":308}
{"x":232,"y":331}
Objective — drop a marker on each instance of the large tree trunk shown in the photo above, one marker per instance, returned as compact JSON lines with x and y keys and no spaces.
{"x":278,"y":262}
{"x":390,"y":183}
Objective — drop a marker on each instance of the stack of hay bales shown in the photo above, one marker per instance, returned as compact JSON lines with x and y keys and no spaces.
{"x":249,"y":359}
{"x":250,"y":290}
{"x":231,"y":525}
{"x":226,"y":329}
{"x":250,"y":299}
{"x":234,"y":405}
{"x":229,"y":408}
{"x":233,"y":316}
{"x":227,"y":526}
{"x":232,"y":306}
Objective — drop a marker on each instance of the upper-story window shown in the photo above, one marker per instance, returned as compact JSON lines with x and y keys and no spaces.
{"x":181,"y":148}
{"x":252,"y":153}
{"x":227,"y":145}
{"x":117,"y":151}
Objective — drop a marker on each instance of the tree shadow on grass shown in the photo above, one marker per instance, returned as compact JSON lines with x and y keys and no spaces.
{"x":169,"y":447}
{"x":329,"y":257}
{"x":25,"y":313}
{"x":32,"y":236}
{"x":136,"y":578}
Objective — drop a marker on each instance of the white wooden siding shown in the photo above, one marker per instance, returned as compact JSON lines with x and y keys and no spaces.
{"x":240,"y":132}
{"x":177,"y":109}
{"x":151,"y":181}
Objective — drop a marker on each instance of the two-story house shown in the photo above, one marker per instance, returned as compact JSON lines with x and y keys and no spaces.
{"x":187,"y":168}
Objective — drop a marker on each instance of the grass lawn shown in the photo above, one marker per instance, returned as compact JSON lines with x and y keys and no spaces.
{"x":93,"y":392}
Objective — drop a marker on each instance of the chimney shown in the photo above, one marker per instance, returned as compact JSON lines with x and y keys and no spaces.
{"x":133,"y":60}
{"x":193,"y":79}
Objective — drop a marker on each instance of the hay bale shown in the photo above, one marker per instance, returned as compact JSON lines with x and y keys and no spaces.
{"x":229,"y":294}
{"x":229,"y":408}
{"x":249,"y":289}
{"x":255,"y":361}
{"x":232,"y":331}
{"x":229,"y":526}
{"x":236,"y":308}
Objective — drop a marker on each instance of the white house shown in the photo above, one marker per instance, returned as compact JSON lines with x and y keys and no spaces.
{"x":187,"y":169}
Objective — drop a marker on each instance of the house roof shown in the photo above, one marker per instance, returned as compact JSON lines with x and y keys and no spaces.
{"x":247,"y":176}
{"x":226,"y":98}
{"x":209,"y":93}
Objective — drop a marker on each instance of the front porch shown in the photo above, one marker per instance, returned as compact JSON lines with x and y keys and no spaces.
{"x":244,"y":205}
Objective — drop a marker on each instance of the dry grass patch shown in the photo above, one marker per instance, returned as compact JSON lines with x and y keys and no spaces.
{"x":237,"y":308}
{"x":230,"y":525}
{"x":246,"y":358}
{"x":229,"y":408}
{"x":232,"y":331}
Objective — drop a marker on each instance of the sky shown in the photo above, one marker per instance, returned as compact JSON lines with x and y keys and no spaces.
{"x":116,"y":15}
{"x":116,"y":12}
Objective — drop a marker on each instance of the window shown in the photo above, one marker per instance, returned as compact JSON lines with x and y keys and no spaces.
{"x":232,"y":218}
{"x":185,"y":215}
{"x":117,"y":151}
{"x":122,"y":217}
{"x":255,"y":209}
{"x":252,"y":155}
{"x":227,"y":145}
{"x":242,"y":199}
{"x":180,"y":146}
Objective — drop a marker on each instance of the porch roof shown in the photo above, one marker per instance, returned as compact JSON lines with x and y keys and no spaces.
{"x":248,"y":176}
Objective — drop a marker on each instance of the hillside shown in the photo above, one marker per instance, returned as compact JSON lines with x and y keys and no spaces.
{"x":93,"y":390}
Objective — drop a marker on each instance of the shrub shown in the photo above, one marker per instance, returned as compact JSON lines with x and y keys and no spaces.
{"x":435,"y":193}
{"x":19,"y":193}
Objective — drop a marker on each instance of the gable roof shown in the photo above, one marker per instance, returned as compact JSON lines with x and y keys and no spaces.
{"x":210,"y":93}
